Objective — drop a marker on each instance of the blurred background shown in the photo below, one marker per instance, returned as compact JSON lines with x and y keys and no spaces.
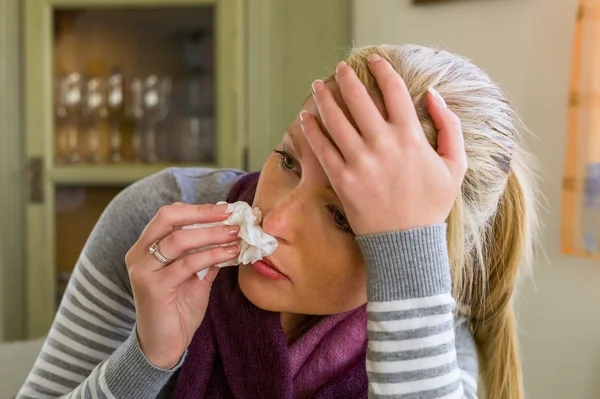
{"x":96,"y":94}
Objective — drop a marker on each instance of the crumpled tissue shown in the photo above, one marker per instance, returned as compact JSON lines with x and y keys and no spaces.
{"x":254,"y":244}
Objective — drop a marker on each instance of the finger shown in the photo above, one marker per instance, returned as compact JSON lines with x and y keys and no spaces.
{"x":211,"y":274}
{"x":182,"y":241}
{"x":344,"y":135}
{"x":169,"y":217}
{"x":450,"y":140}
{"x":399,"y":104}
{"x":198,"y":286}
{"x":329,"y":157}
{"x":203,"y":273}
{"x":182,"y":269}
{"x":359,"y":102}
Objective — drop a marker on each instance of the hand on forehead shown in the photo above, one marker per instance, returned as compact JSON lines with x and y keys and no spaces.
{"x":311,"y":107}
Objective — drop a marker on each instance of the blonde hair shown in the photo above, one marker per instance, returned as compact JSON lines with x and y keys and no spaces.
{"x":493,"y":223}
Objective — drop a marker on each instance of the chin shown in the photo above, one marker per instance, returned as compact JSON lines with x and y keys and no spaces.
{"x":263,"y":293}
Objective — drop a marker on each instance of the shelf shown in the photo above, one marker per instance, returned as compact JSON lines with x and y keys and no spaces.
{"x":104,"y":175}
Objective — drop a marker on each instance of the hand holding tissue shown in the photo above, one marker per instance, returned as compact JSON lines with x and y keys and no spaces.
{"x":255,"y":243}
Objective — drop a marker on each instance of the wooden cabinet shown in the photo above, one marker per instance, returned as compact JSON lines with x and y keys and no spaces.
{"x":115,"y":90}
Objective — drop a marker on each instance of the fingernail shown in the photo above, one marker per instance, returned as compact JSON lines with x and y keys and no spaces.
{"x":220,"y":208}
{"x":304,"y":116}
{"x":233,"y":249}
{"x":228,"y":244}
{"x":317,"y":86}
{"x":230,"y":207}
{"x":232,"y":230}
{"x":373,"y":58}
{"x":437,"y":97}
{"x":341,"y":65}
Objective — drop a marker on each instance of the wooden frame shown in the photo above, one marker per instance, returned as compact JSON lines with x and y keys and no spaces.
{"x":39,"y":138}
{"x":12,"y":207}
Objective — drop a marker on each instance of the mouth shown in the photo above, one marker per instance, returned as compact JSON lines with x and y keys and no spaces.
{"x":267,"y":268}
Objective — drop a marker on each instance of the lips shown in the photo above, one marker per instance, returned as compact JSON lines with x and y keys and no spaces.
{"x":271,"y":264}
{"x":266,"y":268}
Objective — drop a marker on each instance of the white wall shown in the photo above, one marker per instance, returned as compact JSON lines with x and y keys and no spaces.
{"x":525,"y":45}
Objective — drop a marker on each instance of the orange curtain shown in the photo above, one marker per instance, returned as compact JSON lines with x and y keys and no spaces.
{"x":581,"y":184}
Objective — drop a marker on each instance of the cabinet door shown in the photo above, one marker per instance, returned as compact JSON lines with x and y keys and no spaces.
{"x":117,"y":90}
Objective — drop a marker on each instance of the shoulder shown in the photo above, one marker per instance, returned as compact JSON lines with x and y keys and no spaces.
{"x":129,"y":212}
{"x":204,"y":185}
{"x":188,"y":185}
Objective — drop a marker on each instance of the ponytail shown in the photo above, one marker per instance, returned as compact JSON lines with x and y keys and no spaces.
{"x":493,"y":317}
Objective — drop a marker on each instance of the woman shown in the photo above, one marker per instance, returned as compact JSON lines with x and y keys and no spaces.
{"x":366,"y":198}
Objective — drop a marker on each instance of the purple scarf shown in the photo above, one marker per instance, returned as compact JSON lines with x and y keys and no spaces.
{"x":240,"y":351}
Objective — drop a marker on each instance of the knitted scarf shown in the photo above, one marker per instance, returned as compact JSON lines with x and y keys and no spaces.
{"x":240,"y":351}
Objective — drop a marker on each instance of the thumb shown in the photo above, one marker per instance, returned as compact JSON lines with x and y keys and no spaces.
{"x":450,"y":141}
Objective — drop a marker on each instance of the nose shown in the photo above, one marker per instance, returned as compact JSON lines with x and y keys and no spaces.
{"x":282,"y":221}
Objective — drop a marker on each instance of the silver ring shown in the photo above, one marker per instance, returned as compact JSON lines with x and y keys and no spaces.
{"x":155,"y":250}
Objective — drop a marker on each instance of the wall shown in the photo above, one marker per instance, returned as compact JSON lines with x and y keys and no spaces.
{"x":285,"y":54}
{"x":525,"y":45}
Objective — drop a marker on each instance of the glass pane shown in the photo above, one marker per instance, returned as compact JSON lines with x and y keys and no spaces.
{"x":134,"y":85}
{"x":77,"y":211}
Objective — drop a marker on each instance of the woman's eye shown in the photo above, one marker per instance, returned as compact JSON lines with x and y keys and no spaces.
{"x":286,"y":161}
{"x":340,"y":218}
{"x":341,"y":221}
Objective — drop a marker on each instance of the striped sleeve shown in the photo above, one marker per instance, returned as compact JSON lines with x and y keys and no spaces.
{"x":417,"y":349}
{"x":91,"y":350}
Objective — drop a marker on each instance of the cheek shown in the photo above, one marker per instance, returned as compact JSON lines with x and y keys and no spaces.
{"x":338,"y":282}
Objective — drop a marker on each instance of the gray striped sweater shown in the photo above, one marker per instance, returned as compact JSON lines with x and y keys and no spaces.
{"x":417,"y":348}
